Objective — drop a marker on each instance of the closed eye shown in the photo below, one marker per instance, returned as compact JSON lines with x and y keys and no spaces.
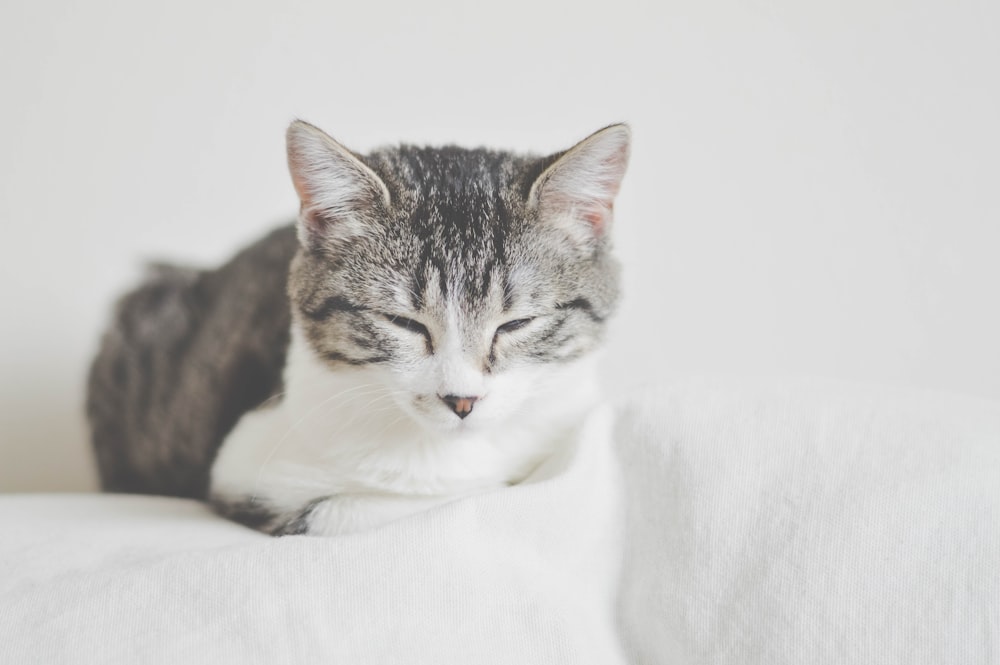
{"x":409,"y":324}
{"x":516,"y":324}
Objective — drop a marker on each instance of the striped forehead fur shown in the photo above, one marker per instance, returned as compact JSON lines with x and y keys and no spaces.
{"x":457,"y":229}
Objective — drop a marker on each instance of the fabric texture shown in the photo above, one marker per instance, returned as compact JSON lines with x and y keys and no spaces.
{"x":705,"y":522}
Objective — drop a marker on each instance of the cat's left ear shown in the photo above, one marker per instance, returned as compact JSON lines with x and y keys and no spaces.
{"x":577,"y":191}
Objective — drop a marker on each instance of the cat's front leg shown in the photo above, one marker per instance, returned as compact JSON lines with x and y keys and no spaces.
{"x":350,"y":513}
{"x":325,"y":516}
{"x":258,"y":514}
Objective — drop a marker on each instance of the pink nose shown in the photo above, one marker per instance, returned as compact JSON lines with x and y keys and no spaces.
{"x":462,"y":406}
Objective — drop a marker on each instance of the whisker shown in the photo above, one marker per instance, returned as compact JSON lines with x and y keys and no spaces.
{"x":294,"y":425}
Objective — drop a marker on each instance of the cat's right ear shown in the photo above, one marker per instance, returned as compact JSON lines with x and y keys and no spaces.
{"x":336,"y":189}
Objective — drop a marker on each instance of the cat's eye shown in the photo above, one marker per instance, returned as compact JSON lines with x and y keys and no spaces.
{"x":516,"y":324}
{"x":409,"y":324}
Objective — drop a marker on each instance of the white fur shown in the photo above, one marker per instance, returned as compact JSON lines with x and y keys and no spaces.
{"x":382,"y":445}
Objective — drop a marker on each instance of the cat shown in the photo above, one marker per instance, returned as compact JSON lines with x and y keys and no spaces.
{"x":425,"y":330}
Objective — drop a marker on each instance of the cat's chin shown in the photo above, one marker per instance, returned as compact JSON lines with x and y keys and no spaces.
{"x":449,"y":425}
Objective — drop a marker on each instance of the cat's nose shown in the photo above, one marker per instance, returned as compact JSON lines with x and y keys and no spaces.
{"x":462,"y":406}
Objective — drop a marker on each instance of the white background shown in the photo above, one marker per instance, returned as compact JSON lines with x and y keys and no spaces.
{"x":815,"y":187}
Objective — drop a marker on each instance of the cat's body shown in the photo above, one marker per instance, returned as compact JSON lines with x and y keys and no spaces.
{"x":436,"y":339}
{"x":189,"y":353}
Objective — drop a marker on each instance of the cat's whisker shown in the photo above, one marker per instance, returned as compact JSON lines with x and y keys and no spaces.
{"x":302,"y":385}
{"x":391,"y":424}
{"x":357,"y":412}
{"x":370,"y":416}
{"x":332,"y":451}
{"x":381,"y":393}
{"x":294,"y":425}
{"x":336,"y":408}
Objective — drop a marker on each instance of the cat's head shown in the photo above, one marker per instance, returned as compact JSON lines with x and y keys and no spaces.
{"x":461,"y":279}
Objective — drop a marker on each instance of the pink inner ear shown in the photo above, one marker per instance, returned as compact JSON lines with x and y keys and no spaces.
{"x":595,"y":218}
{"x":314,"y":221}
{"x":596,"y":214}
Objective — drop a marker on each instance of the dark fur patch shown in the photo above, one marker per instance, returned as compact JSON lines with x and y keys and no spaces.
{"x":190,"y":352}
{"x":330,"y":306}
{"x":257,"y":515}
{"x":583,"y":305}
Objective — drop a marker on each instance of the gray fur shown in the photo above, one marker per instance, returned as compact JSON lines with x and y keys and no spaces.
{"x":190,"y":351}
{"x":459,"y":223}
{"x":256,"y":515}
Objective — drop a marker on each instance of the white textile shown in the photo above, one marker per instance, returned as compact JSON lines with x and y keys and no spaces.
{"x":712,"y":523}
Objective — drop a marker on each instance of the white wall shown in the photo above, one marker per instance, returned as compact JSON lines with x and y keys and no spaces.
{"x":815,"y":187}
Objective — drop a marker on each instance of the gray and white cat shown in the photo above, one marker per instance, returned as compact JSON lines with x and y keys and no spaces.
{"x":426,"y":330}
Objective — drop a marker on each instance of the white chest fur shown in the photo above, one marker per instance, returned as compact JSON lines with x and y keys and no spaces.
{"x":347,"y":435}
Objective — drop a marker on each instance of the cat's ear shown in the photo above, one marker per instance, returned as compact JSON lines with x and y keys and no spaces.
{"x":336,"y":189}
{"x":577,"y":191}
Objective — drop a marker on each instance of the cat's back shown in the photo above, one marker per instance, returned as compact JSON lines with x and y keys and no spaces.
{"x":187,"y":353}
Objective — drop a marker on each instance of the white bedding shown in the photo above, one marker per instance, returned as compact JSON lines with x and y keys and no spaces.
{"x":712,"y":523}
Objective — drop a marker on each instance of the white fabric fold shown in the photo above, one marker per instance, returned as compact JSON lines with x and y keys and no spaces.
{"x":708,"y":522}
